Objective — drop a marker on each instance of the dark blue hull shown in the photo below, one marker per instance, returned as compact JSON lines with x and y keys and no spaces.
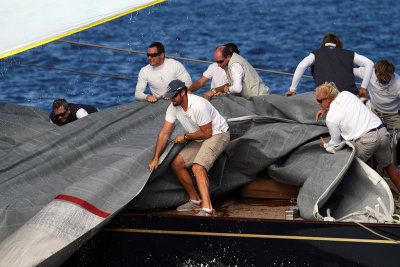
{"x":159,"y":240}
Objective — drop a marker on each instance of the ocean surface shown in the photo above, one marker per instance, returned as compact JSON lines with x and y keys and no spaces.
{"x":272,"y":35}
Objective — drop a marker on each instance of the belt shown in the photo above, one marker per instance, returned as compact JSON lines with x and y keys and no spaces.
{"x":377,"y":128}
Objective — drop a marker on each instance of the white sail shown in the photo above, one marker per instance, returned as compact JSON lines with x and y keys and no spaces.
{"x":29,"y":23}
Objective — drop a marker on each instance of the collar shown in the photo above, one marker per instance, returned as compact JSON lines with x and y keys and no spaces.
{"x":330,"y":44}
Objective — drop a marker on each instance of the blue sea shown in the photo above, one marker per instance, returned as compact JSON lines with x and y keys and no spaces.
{"x":271,"y":35}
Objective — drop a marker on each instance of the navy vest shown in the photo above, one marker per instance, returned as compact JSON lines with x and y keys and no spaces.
{"x":334,"y":65}
{"x":72,"y":116}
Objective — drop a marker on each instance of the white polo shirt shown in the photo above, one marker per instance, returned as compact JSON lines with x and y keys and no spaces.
{"x":158,"y":78}
{"x":349,"y":118}
{"x":199,"y":113}
{"x":216,"y":74}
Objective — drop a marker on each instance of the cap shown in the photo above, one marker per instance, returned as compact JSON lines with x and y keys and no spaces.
{"x":173,"y":87}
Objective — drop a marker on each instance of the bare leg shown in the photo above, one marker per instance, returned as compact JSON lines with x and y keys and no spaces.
{"x":179,"y":168}
{"x":394,"y":175}
{"x":203,"y":184}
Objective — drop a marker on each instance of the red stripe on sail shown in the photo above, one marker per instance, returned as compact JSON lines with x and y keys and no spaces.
{"x":84,"y":204}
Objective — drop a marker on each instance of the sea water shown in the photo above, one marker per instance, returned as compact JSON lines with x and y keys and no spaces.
{"x":272,"y":35}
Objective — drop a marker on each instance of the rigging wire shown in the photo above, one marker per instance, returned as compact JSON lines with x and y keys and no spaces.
{"x":130,"y":51}
{"x":174,"y":57}
{"x":69,"y":70}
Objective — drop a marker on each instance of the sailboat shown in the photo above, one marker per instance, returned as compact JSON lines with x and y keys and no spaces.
{"x":61,"y":185}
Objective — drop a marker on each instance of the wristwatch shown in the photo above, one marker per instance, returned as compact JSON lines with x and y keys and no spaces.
{"x":213,"y":89}
{"x":185,"y":137}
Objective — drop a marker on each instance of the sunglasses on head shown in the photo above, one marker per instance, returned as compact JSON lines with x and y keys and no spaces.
{"x":320,"y":100}
{"x":153,"y":54}
{"x":220,"y":61}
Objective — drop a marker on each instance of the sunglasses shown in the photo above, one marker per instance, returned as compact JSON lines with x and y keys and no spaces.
{"x":220,"y":61}
{"x":60,"y":115}
{"x":153,"y":54}
{"x":320,"y":100}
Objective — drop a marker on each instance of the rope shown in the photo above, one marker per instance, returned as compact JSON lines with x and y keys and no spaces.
{"x":130,"y":51}
{"x":180,"y":58}
{"x":76,"y":71}
{"x":375,"y":233}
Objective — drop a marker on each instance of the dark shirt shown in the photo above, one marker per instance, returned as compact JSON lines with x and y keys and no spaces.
{"x":334,"y":65}
{"x":72,"y":116}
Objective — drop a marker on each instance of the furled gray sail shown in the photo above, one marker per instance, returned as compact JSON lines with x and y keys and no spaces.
{"x":59,"y":185}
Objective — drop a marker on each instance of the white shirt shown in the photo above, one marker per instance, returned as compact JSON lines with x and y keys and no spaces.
{"x":216,"y":74}
{"x":199,"y":113}
{"x":158,"y":78}
{"x":310,"y":59}
{"x":349,"y":118}
{"x":384,"y":97}
{"x":237,"y":74}
{"x":81,"y":113}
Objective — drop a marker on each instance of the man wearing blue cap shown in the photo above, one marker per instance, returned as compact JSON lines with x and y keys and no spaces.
{"x":210,"y":135}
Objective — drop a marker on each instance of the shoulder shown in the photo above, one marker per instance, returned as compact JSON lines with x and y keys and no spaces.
{"x":197,"y":101}
{"x":145,"y":69}
{"x":171,"y":61}
{"x":213,"y":67}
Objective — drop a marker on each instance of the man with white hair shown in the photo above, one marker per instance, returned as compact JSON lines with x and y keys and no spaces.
{"x":349,"y":119}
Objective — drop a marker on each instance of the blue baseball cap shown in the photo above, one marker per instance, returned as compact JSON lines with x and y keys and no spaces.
{"x":173,"y":87}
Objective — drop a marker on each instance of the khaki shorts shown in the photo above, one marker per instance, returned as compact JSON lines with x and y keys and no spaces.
{"x":206,"y":152}
{"x":391,"y":120}
{"x":375,"y":143}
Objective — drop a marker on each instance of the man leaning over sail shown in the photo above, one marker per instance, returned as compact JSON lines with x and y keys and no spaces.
{"x":242,"y":77}
{"x":64,"y":112}
{"x":349,"y":119}
{"x":158,"y":73}
{"x":208,"y":134}
{"x":332,"y":63}
{"x":214,"y":73}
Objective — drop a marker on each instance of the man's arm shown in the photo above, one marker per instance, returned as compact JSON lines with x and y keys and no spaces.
{"x":198,"y":84}
{"x":334,"y":131}
{"x":298,"y":74}
{"x":205,"y":132}
{"x":81,"y":113}
{"x":368,"y":69}
{"x":140,"y":88}
{"x":237,"y":73}
{"x":218,"y":91}
{"x":161,"y":142}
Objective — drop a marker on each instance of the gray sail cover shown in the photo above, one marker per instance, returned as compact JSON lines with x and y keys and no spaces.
{"x":59,"y":185}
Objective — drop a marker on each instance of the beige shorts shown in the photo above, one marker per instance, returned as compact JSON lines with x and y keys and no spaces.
{"x":206,"y":152}
{"x":391,"y":120}
{"x":375,"y":143}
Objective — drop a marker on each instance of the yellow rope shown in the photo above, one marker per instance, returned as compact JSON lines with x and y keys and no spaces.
{"x":375,"y":233}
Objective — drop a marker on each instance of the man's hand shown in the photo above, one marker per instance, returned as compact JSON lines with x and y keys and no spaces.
{"x":151,"y":98}
{"x":153,"y":164}
{"x":180,"y":139}
{"x":320,"y":113}
{"x":322,"y":142}
{"x":208,"y":95}
{"x":363,"y":92}
{"x":289,"y":93}
{"x":226,"y":89}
